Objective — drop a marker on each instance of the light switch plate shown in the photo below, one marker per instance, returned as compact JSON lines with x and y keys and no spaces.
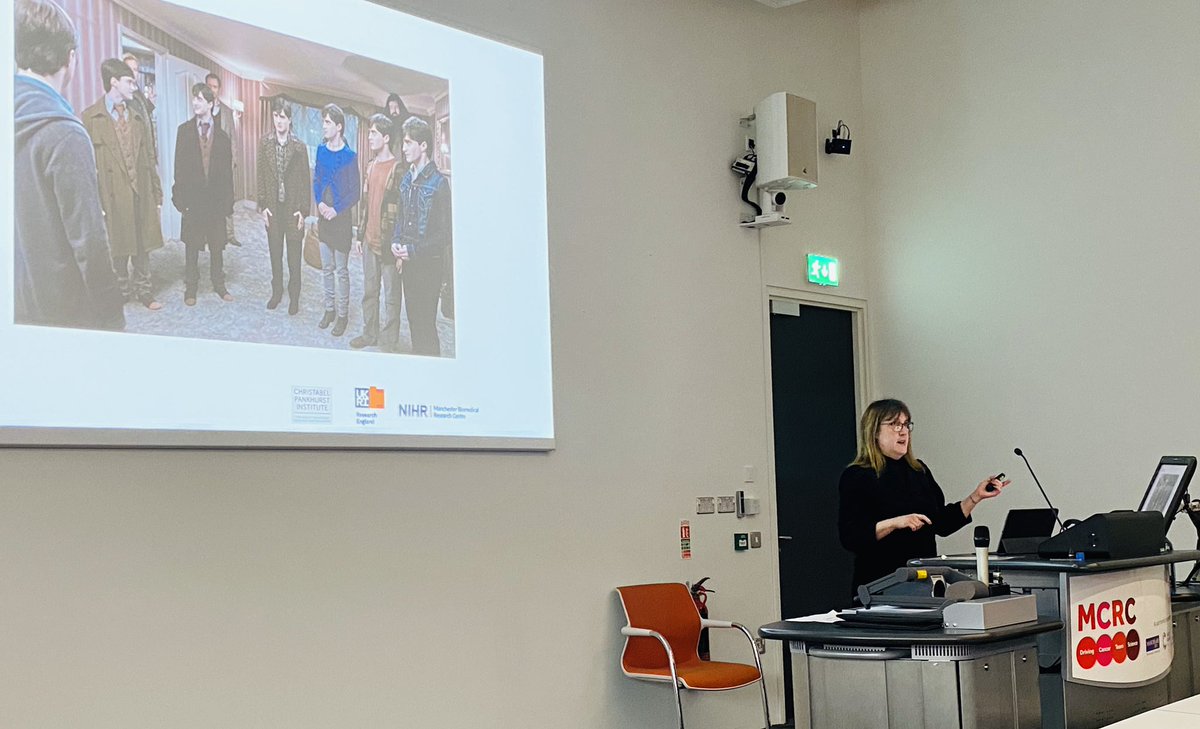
{"x":755,"y":540}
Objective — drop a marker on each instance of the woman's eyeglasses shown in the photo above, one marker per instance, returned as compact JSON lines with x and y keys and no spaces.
{"x":897,"y":427}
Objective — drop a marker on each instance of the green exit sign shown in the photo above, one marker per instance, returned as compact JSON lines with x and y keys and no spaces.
{"x":822,"y":270}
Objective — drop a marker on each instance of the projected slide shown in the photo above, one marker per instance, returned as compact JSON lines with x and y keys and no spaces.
{"x":238,"y":225}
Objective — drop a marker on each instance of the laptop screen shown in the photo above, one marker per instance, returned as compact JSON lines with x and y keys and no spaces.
{"x":1026,"y":523}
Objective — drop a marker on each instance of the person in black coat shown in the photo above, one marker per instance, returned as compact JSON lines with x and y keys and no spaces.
{"x":890,"y":506}
{"x":203,"y":192}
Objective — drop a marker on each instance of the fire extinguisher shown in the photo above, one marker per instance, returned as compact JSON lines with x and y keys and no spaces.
{"x":700,"y":597}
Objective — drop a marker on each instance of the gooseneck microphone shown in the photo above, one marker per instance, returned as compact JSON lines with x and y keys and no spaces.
{"x":1061,"y":528}
{"x":982,"y":541}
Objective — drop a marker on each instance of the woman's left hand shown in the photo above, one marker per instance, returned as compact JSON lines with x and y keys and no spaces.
{"x":988,"y":488}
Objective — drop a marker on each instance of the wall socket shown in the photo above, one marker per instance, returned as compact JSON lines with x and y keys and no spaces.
{"x":726,"y":504}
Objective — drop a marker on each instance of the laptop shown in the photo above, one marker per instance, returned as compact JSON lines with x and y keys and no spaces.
{"x":1025,"y":529}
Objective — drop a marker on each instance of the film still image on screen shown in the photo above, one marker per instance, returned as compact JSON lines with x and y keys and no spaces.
{"x":290,"y":193}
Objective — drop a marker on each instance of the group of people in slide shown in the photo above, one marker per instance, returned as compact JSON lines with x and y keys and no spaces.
{"x":88,"y":212}
{"x":404,"y":230}
{"x":890,"y":506}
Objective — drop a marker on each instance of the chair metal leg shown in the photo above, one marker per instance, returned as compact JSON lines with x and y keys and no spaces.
{"x":762,"y":684}
{"x":674,"y":675}
{"x":678,"y":699}
{"x":762,"y":679}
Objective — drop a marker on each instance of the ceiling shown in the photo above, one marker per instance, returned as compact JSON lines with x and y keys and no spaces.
{"x":779,"y":3}
{"x":263,"y":55}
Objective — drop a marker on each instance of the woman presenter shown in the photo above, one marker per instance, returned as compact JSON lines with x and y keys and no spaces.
{"x":890,"y":506}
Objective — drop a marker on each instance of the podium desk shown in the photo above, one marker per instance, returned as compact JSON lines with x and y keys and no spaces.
{"x":1114,"y":654}
{"x":858,"y":677}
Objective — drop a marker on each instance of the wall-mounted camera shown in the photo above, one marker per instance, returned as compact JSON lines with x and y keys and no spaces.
{"x":775,"y":200}
{"x":839,"y":143}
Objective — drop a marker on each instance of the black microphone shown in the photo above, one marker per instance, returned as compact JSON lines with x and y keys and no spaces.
{"x":982,"y":540}
{"x":1061,"y":528}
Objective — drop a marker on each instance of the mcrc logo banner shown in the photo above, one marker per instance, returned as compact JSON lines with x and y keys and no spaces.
{"x":1118,"y":628}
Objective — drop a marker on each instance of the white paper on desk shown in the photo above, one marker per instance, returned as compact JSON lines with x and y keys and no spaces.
{"x":829,"y":617}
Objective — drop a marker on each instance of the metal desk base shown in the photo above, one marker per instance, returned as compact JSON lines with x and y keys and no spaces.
{"x":921,"y":687}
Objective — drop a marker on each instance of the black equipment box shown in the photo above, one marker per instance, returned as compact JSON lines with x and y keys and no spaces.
{"x":1115,"y":535}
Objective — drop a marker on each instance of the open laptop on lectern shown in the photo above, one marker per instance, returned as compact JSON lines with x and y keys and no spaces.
{"x":1025,"y":529}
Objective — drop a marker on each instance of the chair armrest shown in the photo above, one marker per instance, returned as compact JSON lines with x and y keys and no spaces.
{"x":632,"y":632}
{"x":707,"y":623}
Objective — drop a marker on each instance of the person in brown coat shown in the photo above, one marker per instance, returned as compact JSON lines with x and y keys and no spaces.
{"x":130,"y":191}
{"x":284,"y":200}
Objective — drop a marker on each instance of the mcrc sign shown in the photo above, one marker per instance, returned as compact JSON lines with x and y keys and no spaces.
{"x":1106,"y":614}
{"x":1119,"y":627}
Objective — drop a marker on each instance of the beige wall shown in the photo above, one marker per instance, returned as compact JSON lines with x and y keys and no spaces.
{"x":200,"y":589}
{"x":1019,"y":210}
{"x":1034,"y":174}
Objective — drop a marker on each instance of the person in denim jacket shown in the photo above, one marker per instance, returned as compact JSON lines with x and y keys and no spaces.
{"x":422,"y":238}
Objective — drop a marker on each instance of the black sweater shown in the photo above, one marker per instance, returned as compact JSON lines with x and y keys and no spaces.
{"x":866,"y":499}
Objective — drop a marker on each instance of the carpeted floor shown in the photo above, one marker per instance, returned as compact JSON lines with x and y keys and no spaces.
{"x":246,"y":318}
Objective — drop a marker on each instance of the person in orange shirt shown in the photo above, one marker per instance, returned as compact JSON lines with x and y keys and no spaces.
{"x":381,"y":194}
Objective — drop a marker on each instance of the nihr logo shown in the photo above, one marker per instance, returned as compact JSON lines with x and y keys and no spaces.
{"x":413,"y":410}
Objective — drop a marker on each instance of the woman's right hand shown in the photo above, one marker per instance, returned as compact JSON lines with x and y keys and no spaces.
{"x":909,"y":521}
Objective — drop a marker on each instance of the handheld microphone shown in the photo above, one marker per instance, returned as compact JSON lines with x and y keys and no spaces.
{"x":1061,"y":528}
{"x":982,"y":539}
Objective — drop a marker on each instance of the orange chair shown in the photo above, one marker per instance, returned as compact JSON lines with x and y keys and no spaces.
{"x":661,"y":640}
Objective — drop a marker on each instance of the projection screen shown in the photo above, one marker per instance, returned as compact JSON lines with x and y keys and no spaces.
{"x":269,"y":269}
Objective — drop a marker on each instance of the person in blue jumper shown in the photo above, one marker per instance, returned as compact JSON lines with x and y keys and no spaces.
{"x":336,"y":188}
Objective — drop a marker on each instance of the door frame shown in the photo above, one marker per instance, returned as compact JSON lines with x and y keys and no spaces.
{"x":863,"y":388}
